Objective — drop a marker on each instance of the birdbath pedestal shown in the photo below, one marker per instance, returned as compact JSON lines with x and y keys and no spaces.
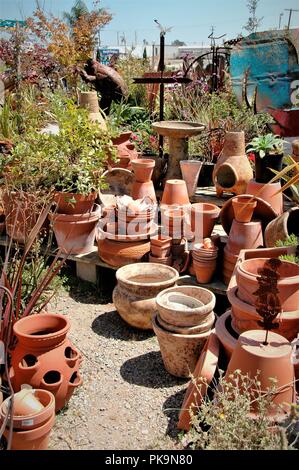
{"x":178,"y":133}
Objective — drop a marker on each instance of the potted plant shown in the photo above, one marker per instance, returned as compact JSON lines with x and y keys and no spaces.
{"x":268,"y":152}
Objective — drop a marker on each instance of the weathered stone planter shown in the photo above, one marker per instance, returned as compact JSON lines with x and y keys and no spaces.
{"x":137,"y":287}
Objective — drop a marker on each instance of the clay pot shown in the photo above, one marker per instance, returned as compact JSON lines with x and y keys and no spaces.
{"x":269,"y":193}
{"x":229,"y":262}
{"x":126,"y":151}
{"x":185,"y":306}
{"x":203,"y":219}
{"x":179,"y":352}
{"x":225,"y":333}
{"x":136,"y":291}
{"x":206,"y":325}
{"x":263,"y":166}
{"x":44,"y":358}
{"x":167,"y":260}
{"x":142,"y":190}
{"x":190,"y":171}
{"x":32,"y":439}
{"x":245,"y":235}
{"x":161,"y":246}
{"x":75,"y":234}
{"x":245,"y":317}
{"x":204,"y":270}
{"x":273,"y":361}
{"x":232,"y":170}
{"x":288,"y":282}
{"x":72,"y":203}
{"x":175,"y":193}
{"x":283,"y":226}
{"x":143,"y":169}
{"x":203,"y":376}
{"x":28,"y":417}
{"x":118,"y":254}
{"x":243,"y":208}
{"x":173,"y":222}
{"x":89,"y":100}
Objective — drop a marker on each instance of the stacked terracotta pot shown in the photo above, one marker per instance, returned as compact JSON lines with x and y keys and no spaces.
{"x":143,"y":185}
{"x":204,"y":257}
{"x":161,"y":250}
{"x":183,"y":323}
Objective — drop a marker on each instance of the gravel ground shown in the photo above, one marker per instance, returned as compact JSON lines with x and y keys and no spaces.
{"x":127,"y":400}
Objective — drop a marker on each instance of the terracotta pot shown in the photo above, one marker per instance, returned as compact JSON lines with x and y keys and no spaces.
{"x":118,"y":254}
{"x":89,"y":100}
{"x":206,"y":325}
{"x":44,"y":358}
{"x":232,"y":170}
{"x":225,"y":333}
{"x":283,"y":226}
{"x":190,"y":171}
{"x":126,"y":151}
{"x":204,"y":270}
{"x":136,"y":291}
{"x":246,"y":235}
{"x":71,"y":203}
{"x":175,"y":193}
{"x":245,"y":317}
{"x":33,"y":418}
{"x":142,"y":190}
{"x":185,"y":306}
{"x":243,"y":208}
{"x":179,"y":352}
{"x":163,"y":260}
{"x":143,"y":169}
{"x":173,"y":222}
{"x":229,"y":262}
{"x":203,"y":219}
{"x":269,"y":192}
{"x":203,"y":375}
{"x":263,"y":166}
{"x":161,"y":246}
{"x":273,"y":361}
{"x":75,"y":234}
{"x":288,"y":283}
{"x":33,"y":439}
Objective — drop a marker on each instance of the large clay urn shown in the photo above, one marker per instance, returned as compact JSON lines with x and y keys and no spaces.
{"x":138,"y":285}
{"x":283,"y":226}
{"x":232,"y":170}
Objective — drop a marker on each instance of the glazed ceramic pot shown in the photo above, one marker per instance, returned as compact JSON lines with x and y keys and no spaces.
{"x":44,"y":358}
{"x":143,"y":169}
{"x":71,"y":203}
{"x":179,"y":352}
{"x":283,"y":226}
{"x":232,"y":170}
{"x":243,"y":208}
{"x":190,"y":172}
{"x":203,"y":219}
{"x":269,"y":192}
{"x":126,"y":151}
{"x":245,"y":235}
{"x":144,"y":190}
{"x":288,"y":283}
{"x":263,"y":166}
{"x":32,"y":439}
{"x":272,"y":360}
{"x":137,"y":287}
{"x":227,"y":336}
{"x":185,"y":306}
{"x":175,"y":193}
{"x":75,"y":234}
{"x":161,"y":246}
{"x":118,"y":254}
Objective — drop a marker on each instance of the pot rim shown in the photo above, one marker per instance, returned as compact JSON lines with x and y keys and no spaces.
{"x":281,"y":280}
{"x":157,"y":326}
{"x":168,"y":269}
{"x":180,"y":290}
{"x":22,"y":321}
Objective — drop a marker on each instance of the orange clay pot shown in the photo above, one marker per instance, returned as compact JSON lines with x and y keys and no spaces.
{"x":32,"y":439}
{"x":126,"y":151}
{"x":143,"y":169}
{"x":118,"y":254}
{"x":243,"y":208}
{"x":161,"y":246}
{"x":245,"y":235}
{"x":167,"y":260}
{"x":283,"y":226}
{"x":175,"y":193}
{"x":203,"y":219}
{"x":72,"y":203}
{"x":44,"y":358}
{"x":190,"y":171}
{"x":269,"y":193}
{"x":204,"y":270}
{"x":226,"y":334}
{"x":142,"y":190}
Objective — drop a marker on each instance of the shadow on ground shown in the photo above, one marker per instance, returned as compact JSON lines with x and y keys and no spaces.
{"x":111,"y":325}
{"x":148,"y":371}
{"x":171,"y":408}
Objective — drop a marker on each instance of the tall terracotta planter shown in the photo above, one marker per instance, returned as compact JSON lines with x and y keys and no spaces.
{"x":89,"y":100}
{"x":45,"y":358}
{"x":269,"y":192}
{"x":190,"y":171}
{"x":283,"y":226}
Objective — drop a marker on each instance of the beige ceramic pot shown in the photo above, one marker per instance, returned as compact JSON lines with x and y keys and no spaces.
{"x":138,"y":285}
{"x":206,"y":325}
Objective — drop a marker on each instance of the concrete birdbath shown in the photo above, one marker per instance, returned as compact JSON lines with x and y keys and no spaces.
{"x":178,"y":133}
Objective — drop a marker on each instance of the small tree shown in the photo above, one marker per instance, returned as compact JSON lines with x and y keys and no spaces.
{"x":253,"y":22}
{"x":178,"y":43}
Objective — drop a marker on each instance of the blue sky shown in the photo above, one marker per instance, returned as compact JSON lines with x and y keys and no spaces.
{"x":191,"y":20}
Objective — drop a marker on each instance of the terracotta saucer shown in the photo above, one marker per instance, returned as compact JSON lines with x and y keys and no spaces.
{"x":120,"y":183}
{"x":197,"y":389}
{"x":263,"y":211}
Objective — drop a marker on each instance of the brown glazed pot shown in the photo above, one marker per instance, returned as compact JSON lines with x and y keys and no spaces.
{"x":143,"y":169}
{"x":203,"y":219}
{"x":243,"y":208}
{"x":269,"y":193}
{"x":72,"y":203}
{"x":283,"y":226}
{"x":118,"y":254}
{"x":138,"y":285}
{"x":75,"y":234}
{"x":32,"y":439}
{"x":179,"y":352}
{"x":44,"y":358}
{"x":232,"y":170}
{"x":175,"y":193}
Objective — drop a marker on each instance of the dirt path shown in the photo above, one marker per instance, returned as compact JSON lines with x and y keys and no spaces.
{"x":128,"y":400}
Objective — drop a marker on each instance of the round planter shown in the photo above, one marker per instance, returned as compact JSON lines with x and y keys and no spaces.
{"x":33,"y":439}
{"x":204,"y":270}
{"x":143,"y":169}
{"x":34,"y":419}
{"x":269,"y":193}
{"x":185,"y":306}
{"x":225,"y":333}
{"x":190,"y":171}
{"x":118,"y":254}
{"x":44,"y":358}
{"x":138,"y":285}
{"x":203,"y":219}
{"x":206,"y":325}
{"x":72,"y":203}
{"x":288,"y":283}
{"x":263,"y":166}
{"x":179,"y":352}
{"x":247,"y":235}
{"x":175,"y":193}
{"x":243,"y":207}
{"x":283,"y":226}
{"x":75,"y":234}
